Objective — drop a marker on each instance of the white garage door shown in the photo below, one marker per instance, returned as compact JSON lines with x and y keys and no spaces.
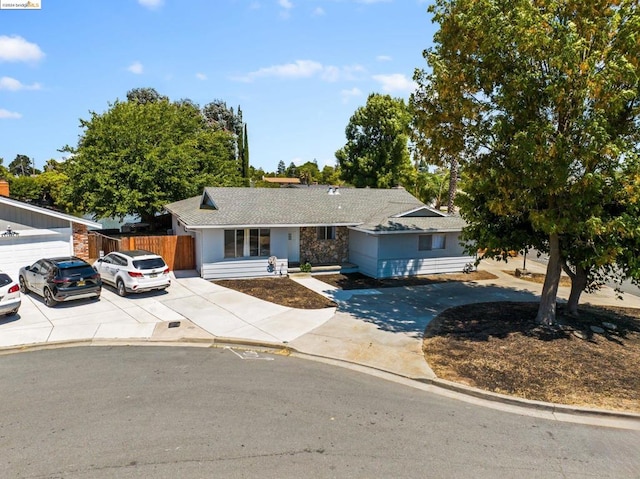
{"x":19,"y":251}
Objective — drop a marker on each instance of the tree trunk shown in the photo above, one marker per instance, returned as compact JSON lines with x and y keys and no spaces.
{"x":578,"y":285}
{"x":547,"y":309}
{"x":453,"y":185}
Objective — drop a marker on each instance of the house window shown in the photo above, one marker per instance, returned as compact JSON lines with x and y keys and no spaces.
{"x":233,"y":243}
{"x":326,"y":232}
{"x":247,"y":242}
{"x":431,"y":242}
{"x":259,"y":242}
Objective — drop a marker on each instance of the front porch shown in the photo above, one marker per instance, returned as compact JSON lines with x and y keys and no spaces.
{"x":261,"y":267}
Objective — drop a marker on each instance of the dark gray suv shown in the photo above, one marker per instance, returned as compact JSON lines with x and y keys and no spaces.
{"x":61,"y":279}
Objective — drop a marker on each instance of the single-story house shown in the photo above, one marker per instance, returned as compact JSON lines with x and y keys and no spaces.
{"x":252,"y":232}
{"x":29,"y":232}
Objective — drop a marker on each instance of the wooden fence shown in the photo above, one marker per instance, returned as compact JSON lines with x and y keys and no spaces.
{"x":178,"y":251}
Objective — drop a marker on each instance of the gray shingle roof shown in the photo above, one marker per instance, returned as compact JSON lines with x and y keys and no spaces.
{"x":371,"y":209}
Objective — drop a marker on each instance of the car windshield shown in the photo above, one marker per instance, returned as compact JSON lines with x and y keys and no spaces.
{"x":5,"y":279}
{"x":149,"y":263}
{"x":76,"y":272}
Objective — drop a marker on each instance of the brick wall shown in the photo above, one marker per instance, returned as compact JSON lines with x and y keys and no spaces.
{"x":80,"y":241}
{"x":315,"y":251}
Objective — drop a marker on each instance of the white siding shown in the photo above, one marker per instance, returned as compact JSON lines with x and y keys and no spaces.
{"x":213,"y":265}
{"x":420,"y":266}
{"x":363,"y":251}
{"x":243,"y":268}
{"x":400,"y":256}
{"x":405,"y":246}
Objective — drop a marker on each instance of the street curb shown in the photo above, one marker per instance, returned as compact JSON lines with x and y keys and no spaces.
{"x":529,"y":403}
{"x":272,"y":347}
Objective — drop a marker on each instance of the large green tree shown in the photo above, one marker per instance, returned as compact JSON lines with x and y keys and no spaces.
{"x":548,"y":112}
{"x":22,"y":165}
{"x":139,"y":155}
{"x":377,"y":152}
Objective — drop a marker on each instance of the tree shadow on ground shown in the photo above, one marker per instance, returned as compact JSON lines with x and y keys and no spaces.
{"x":409,"y":310}
{"x":486,"y":321}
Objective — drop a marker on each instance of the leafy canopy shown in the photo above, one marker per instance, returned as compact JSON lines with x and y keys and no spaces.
{"x":377,"y":152}
{"x":144,"y":153}
{"x":547,"y":107}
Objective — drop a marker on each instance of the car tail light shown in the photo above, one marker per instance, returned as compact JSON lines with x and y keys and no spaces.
{"x":59,"y":281}
{"x":166,"y":271}
{"x":14,"y":289}
{"x":135,"y":274}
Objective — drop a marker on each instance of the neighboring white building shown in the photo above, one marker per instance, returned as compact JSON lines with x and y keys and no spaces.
{"x":29,"y":232}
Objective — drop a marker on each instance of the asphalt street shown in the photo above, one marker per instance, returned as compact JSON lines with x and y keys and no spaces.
{"x":167,"y":412}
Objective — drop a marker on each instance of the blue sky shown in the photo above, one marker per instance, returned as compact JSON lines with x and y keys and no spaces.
{"x":298,"y":68}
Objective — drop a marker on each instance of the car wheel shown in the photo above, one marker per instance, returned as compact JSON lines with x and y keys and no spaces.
{"x":23,"y":285}
{"x":122,"y":291}
{"x":49,"y":300}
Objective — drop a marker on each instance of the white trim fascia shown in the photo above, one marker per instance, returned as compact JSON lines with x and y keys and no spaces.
{"x":415,"y":231}
{"x":301,"y":225}
{"x":45,"y":211}
{"x":403,"y":214}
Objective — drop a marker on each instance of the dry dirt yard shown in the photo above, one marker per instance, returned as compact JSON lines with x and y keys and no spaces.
{"x":498,"y":347}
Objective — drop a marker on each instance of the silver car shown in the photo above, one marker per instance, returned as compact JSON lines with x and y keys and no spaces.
{"x":9,"y":295}
{"x":134,"y":271}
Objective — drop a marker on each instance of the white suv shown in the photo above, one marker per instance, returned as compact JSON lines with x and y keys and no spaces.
{"x":134,"y":271}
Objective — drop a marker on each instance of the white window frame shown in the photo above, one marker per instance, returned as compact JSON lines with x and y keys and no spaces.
{"x":432,"y":242}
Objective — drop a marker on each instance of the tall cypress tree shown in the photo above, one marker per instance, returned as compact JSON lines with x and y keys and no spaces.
{"x":245,"y":153}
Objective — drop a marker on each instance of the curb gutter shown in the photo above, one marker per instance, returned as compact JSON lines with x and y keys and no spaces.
{"x":631,"y":420}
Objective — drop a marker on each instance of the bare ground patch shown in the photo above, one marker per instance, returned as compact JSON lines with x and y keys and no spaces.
{"x":499,"y":347}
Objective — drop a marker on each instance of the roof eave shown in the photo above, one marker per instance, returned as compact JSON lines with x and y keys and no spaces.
{"x":421,"y":231}
{"x":52,"y":213}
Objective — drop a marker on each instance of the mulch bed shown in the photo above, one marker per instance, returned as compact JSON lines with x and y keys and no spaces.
{"x":360,"y":281}
{"x":499,"y":347}
{"x":282,"y":291}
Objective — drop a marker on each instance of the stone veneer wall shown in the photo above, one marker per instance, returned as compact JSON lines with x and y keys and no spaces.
{"x":315,"y":251}
{"x":80,"y":241}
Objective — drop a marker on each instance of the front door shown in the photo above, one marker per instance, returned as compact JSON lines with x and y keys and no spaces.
{"x":293,"y":245}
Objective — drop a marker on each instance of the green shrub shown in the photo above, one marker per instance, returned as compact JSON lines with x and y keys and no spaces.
{"x":305,"y":267}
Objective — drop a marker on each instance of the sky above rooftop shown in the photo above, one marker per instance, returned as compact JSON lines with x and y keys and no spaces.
{"x":298,"y":68}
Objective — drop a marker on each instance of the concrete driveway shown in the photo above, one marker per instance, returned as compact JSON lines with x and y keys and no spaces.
{"x":204,"y":310}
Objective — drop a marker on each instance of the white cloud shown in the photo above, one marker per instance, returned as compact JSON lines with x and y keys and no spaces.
{"x":17,"y":49}
{"x":11,"y":84}
{"x":4,"y":114}
{"x":348,"y":94}
{"x":318,"y":12}
{"x":136,"y":67}
{"x":330,"y":73}
{"x":396,"y":82}
{"x":151,"y":4}
{"x":384,"y":58}
{"x":299,"y":69}
{"x":201,"y":76}
{"x":305,"y":69}
{"x":286,"y":6}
